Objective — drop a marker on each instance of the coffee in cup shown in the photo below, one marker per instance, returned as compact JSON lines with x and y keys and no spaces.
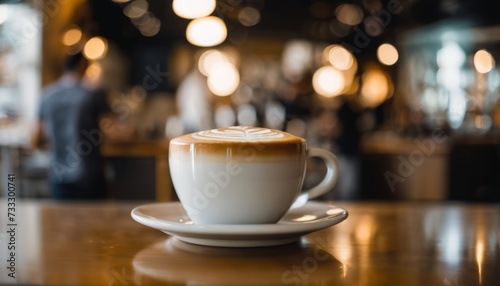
{"x":243,"y":174}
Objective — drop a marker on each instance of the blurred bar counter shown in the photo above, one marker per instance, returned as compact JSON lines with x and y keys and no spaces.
{"x":136,"y":169}
{"x":139,"y":169}
{"x":435,"y":167}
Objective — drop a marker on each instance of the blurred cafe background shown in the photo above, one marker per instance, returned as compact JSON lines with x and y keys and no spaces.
{"x":405,"y":92}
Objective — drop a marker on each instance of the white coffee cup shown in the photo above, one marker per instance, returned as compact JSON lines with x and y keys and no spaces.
{"x":243,"y":174}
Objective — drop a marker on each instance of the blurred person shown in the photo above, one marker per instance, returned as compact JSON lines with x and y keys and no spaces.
{"x":68,"y":121}
{"x":337,"y":130}
{"x":194,"y":103}
{"x":348,"y":142}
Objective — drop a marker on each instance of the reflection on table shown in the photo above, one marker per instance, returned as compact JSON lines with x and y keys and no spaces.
{"x":289,"y":264}
{"x":378,"y":244}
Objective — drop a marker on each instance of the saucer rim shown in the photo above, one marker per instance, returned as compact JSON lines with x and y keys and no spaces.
{"x":175,"y":228}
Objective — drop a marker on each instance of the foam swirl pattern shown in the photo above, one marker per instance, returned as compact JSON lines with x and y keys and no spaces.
{"x":244,"y":142}
{"x":239,"y":133}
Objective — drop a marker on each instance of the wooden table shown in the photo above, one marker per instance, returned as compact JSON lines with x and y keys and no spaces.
{"x":379,"y":244}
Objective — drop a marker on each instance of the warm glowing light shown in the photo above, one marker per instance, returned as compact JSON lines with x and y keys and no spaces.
{"x":223,"y":79}
{"x":136,"y":9}
{"x":344,"y":253}
{"x":95,"y":48}
{"x":93,"y":71}
{"x":481,"y":244}
{"x":210,"y":59}
{"x":340,"y":57}
{"x":121,"y":1}
{"x":192,"y":9}
{"x":206,"y":32}
{"x":249,"y":16}
{"x":72,"y":36}
{"x":483,"y":61}
{"x":480,"y":258}
{"x":375,"y":88}
{"x":387,"y":54}
{"x":365,"y":229}
{"x":345,"y":62}
{"x":328,"y":81}
{"x":349,"y":14}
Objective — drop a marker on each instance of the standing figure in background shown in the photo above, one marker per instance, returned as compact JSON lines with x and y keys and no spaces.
{"x":194,"y":103}
{"x":338,"y":130}
{"x":68,"y":120}
{"x":349,"y":152}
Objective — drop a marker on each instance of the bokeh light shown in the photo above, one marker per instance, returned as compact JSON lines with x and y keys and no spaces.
{"x":297,"y":59}
{"x":483,"y":61}
{"x":136,"y":9}
{"x":210,"y":59}
{"x":450,"y":55}
{"x":349,"y":14}
{"x":93,"y":71}
{"x":387,"y":54}
{"x":206,"y":32}
{"x":192,"y":9}
{"x":375,"y":87}
{"x":328,"y":81}
{"x":150,"y":26}
{"x":72,"y":36}
{"x":340,"y":57}
{"x":223,"y":79}
{"x":449,"y":77}
{"x":95,"y":48}
{"x":249,"y":16}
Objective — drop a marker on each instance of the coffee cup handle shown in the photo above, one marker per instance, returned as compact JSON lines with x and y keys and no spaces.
{"x":328,"y":182}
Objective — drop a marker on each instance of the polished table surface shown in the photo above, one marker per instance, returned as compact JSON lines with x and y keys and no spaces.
{"x":82,"y":243}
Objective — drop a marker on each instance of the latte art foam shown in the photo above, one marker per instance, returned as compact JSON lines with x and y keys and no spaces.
{"x":240,"y":143}
{"x":239,"y":133}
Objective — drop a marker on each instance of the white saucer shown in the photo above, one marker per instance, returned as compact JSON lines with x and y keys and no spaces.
{"x":173,"y":220}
